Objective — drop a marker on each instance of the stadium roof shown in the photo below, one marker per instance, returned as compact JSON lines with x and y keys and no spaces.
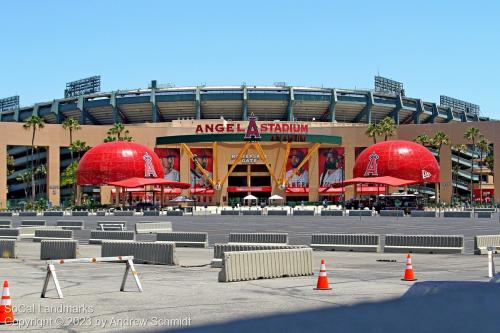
{"x":236,"y":103}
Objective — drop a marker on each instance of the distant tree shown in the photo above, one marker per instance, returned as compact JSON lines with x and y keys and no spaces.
{"x":117,"y":133}
{"x":71,"y":125}
{"x":460,"y":149}
{"x":372,"y":131}
{"x":439,"y":139}
{"x":387,"y":127}
{"x":484,"y":148}
{"x":423,"y":139}
{"x":33,"y":123}
{"x":472,"y":134}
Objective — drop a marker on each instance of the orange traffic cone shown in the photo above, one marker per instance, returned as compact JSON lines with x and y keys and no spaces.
{"x":322,"y":278}
{"x":409,"y":276}
{"x":6,"y":312}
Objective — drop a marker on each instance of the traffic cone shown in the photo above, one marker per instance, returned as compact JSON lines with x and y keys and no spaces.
{"x":322,"y":278}
{"x":409,"y":276}
{"x":6,"y":312}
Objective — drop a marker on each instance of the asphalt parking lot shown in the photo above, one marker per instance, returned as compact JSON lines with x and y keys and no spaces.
{"x":189,"y":295}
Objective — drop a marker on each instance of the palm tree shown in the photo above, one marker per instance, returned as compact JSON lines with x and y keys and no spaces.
{"x":120,"y":132}
{"x":71,"y":125}
{"x":34,"y":123}
{"x":387,"y":127}
{"x":484,"y":147}
{"x":439,"y":139}
{"x":372,"y":131}
{"x":460,"y":149}
{"x":471,"y":135}
{"x":423,"y":139}
{"x":24,"y":178}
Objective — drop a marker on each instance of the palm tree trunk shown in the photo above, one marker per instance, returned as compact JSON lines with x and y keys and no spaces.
{"x":74,"y":171}
{"x":33,"y":166}
{"x":472,"y":173}
{"x":480,"y":177}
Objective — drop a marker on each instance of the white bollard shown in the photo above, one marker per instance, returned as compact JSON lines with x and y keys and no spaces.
{"x":491,"y":264}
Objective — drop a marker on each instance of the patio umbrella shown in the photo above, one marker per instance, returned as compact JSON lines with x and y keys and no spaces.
{"x":181,"y":198}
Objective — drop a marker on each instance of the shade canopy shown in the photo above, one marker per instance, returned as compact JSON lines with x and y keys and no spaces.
{"x":386,"y":180}
{"x":115,"y":161}
{"x":181,"y":198}
{"x":140,"y":182}
{"x":250,"y":197}
{"x":275,"y":197}
{"x":400,"y":159}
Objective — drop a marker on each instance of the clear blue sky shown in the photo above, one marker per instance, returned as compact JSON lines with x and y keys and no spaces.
{"x":443,"y":47}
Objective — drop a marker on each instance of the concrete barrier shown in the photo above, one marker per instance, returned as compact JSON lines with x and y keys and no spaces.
{"x":299,"y":212}
{"x":100,"y":213}
{"x":10,"y":234}
{"x":151,"y":213}
{"x":331,"y":212}
{"x":97,"y":236}
{"x":492,"y":210}
{"x":483,"y":215}
{"x":424,"y":243}
{"x":457,"y":214}
{"x":58,"y":249}
{"x":483,"y":242}
{"x":360,"y":213}
{"x":5,"y":224}
{"x":399,"y":213}
{"x":53,"y":213}
{"x":251,"y":212}
{"x":80,"y":213}
{"x":346,"y":242}
{"x":71,"y":224}
{"x":267,"y":264}
{"x":152,"y":227}
{"x":220,"y":249}
{"x":174,"y":213}
{"x":111,"y":225}
{"x":277,"y":212}
{"x":258,"y":238}
{"x":184,"y":239}
{"x":29,"y":232}
{"x":27,"y":213}
{"x":5,"y":214}
{"x":422,"y":213}
{"x":123,"y":213}
{"x":52,"y":234}
{"x":158,"y":253}
{"x":7,"y":248}
{"x":229,"y":212}
{"x":33,"y":223}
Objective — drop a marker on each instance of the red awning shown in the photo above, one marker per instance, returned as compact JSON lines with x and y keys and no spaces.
{"x":156,"y":190}
{"x":233,"y":189}
{"x":385,"y":180}
{"x":295,"y":190}
{"x":360,"y":189}
{"x":201,"y":190}
{"x":140,"y":182}
{"x":331,"y":190}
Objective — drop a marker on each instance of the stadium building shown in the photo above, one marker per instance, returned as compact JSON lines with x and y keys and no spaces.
{"x":231,"y":141}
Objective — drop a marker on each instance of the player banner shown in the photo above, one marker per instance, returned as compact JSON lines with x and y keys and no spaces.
{"x":171,"y":161}
{"x":301,"y":178}
{"x":331,"y":166}
{"x":205,"y":159}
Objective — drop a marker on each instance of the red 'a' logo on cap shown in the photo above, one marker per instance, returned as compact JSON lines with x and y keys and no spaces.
{"x":149,"y":169}
{"x":372,"y":168}
{"x":252,"y":129}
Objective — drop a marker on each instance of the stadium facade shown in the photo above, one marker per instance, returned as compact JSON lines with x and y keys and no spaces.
{"x":199,"y":132}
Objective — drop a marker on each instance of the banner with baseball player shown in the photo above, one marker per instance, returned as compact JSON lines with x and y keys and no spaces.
{"x":295,"y":158}
{"x":171,"y":161}
{"x":204,"y":156}
{"x":331,"y":166}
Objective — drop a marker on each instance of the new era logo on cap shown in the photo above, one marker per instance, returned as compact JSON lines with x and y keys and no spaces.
{"x":426,"y":174}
